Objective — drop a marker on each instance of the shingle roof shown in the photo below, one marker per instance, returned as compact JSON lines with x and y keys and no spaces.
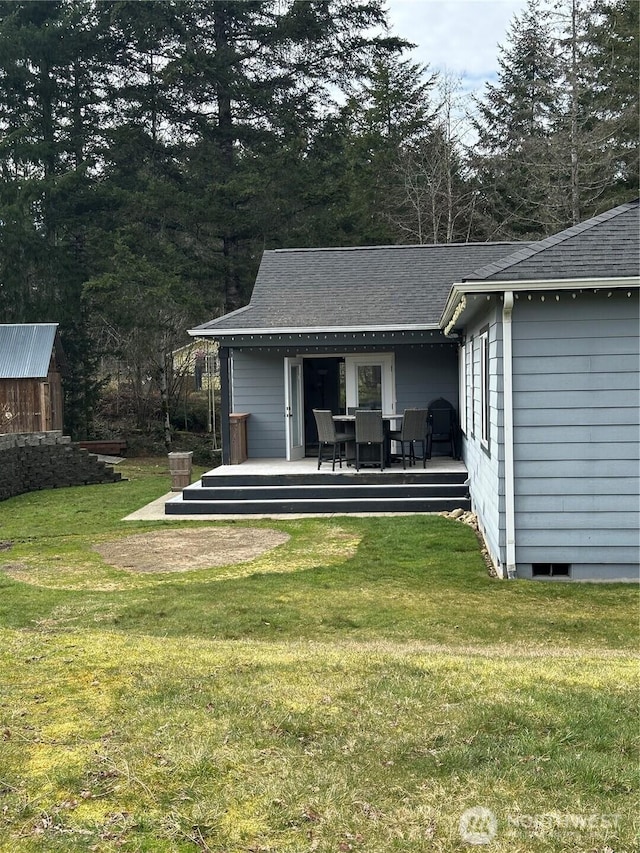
{"x":606,"y":246}
{"x":405,"y":287}
{"x":378,"y":286}
{"x":25,"y":350}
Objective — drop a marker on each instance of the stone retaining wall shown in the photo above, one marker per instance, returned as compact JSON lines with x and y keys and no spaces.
{"x":47,"y":460}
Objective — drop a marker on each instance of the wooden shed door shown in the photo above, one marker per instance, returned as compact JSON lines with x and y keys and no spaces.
{"x":45,"y":407}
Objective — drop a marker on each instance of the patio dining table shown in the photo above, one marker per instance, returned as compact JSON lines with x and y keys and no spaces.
{"x":349,"y":423}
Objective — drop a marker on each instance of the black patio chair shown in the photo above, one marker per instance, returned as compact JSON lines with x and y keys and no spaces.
{"x":329,"y":437}
{"x":370,"y":433}
{"x":442,"y":427}
{"x":414,"y":429}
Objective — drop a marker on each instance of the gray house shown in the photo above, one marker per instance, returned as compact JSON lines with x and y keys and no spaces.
{"x":537,"y":346}
{"x":550,"y":402}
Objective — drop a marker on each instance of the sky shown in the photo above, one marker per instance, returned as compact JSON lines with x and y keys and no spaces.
{"x":458,"y":36}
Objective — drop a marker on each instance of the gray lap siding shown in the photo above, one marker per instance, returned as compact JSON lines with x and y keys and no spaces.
{"x":576,"y":426}
{"x":258,"y":388}
{"x":486,"y":464}
{"x":576,"y":404}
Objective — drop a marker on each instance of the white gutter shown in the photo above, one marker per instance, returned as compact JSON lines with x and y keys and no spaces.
{"x":509,"y":480}
{"x":212,"y":331}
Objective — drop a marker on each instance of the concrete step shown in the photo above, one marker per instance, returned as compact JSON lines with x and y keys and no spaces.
{"x":323,"y":492}
{"x":344,"y":506}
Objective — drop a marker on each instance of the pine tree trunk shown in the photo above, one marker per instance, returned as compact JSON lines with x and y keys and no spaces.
{"x":575,"y":188}
{"x":164,"y":402}
{"x":225,"y":144}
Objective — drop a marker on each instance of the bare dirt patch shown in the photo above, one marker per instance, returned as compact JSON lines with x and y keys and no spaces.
{"x":185,"y":550}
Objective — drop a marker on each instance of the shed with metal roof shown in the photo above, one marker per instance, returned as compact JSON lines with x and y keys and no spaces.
{"x":31,"y":363}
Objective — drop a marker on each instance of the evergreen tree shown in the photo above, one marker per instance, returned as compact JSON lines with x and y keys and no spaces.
{"x":613,"y":96}
{"x":557,"y":134}
{"x":50,"y":73}
{"x":512,"y":158}
{"x":212,"y":112}
{"x":386,"y":113}
{"x":594,"y":129}
{"x":251,"y":85}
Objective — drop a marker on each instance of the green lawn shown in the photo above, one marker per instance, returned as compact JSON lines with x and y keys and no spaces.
{"x":359,"y":687}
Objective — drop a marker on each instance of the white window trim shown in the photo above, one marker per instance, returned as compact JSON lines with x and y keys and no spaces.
{"x":471,"y":409}
{"x":484,"y":388}
{"x":462,"y":386}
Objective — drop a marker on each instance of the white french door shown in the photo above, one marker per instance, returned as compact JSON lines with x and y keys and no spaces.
{"x":369,"y":382}
{"x":294,"y":408}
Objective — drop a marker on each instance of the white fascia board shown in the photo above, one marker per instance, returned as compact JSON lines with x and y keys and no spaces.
{"x":311,"y":330}
{"x":462,"y":289}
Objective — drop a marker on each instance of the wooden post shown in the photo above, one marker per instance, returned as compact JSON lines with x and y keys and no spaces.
{"x":238,"y":438}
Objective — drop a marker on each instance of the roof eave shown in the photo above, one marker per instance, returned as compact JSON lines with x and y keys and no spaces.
{"x":461,"y":289}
